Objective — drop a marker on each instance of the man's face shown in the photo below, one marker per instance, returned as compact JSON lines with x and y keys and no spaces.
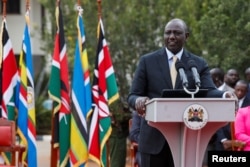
{"x":240,"y":90}
{"x":175,"y":36}
{"x":216,"y":79}
{"x":232,"y":77}
{"x":247,"y":74}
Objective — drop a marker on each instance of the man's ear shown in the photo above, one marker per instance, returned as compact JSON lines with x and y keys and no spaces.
{"x":187,"y":35}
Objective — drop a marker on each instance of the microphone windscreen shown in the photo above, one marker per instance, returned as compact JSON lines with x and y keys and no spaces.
{"x":191,"y":63}
{"x":179,"y":65}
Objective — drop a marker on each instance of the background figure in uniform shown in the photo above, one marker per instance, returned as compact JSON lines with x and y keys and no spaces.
{"x":134,"y":134}
{"x":224,"y":135}
{"x":217,"y":75}
{"x":118,"y":138}
{"x":152,"y":76}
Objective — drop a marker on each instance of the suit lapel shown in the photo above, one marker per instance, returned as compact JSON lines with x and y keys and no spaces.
{"x":165,"y":70}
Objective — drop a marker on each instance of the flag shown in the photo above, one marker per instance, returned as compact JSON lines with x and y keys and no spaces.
{"x":26,"y":121}
{"x":81,"y":99}
{"x":9,"y":75}
{"x":104,"y":92}
{"x":59,"y":92}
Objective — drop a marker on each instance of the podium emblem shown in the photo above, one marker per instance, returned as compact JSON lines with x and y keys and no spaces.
{"x":195,"y":116}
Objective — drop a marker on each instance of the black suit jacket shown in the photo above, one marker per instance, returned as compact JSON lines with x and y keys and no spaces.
{"x":151,"y":77}
{"x":246,"y":102}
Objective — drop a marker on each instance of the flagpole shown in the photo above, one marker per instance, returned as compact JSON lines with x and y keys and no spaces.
{"x":1,"y":58}
{"x":4,"y":8}
{"x":27,"y":5}
{"x":99,"y":9}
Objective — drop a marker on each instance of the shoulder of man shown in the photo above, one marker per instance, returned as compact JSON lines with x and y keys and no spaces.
{"x":160,"y":51}
{"x":192,"y":55}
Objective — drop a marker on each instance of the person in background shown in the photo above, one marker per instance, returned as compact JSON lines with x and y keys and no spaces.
{"x":117,"y":142}
{"x":224,"y":139}
{"x":152,"y":75}
{"x":241,"y":90}
{"x":247,"y":78}
{"x":242,"y":127}
{"x":134,"y":134}
{"x":247,"y":74}
{"x":230,"y":79}
{"x":217,"y":75}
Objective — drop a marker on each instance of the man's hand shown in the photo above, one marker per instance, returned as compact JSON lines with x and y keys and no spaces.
{"x":229,"y":144}
{"x":229,"y":94}
{"x":140,"y":105}
{"x":238,"y":144}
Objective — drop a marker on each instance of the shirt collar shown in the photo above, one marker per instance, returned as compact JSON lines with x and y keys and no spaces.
{"x":170,"y":54}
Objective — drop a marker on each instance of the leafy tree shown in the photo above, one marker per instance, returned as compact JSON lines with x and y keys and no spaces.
{"x":225,"y":33}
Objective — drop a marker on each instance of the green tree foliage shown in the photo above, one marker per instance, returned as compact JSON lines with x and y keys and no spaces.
{"x":224,"y":32}
{"x":191,"y":11}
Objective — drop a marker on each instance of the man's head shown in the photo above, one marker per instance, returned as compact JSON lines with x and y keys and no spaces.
{"x":241,"y":89}
{"x":247,"y":74}
{"x":231,"y":77}
{"x":217,"y":75}
{"x":175,"y":35}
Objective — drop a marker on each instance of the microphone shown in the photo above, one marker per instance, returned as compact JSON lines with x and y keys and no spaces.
{"x":180,"y":68}
{"x":193,"y":68}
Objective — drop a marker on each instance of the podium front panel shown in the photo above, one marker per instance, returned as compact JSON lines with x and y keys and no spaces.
{"x":188,"y":138}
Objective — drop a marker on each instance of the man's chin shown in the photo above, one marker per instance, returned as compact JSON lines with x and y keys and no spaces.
{"x":173,"y":49}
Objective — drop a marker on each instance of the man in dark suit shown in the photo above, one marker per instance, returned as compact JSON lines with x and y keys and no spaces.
{"x":224,"y":135}
{"x":152,"y":76}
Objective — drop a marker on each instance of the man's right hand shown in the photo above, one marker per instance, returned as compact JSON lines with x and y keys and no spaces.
{"x":140,"y":105}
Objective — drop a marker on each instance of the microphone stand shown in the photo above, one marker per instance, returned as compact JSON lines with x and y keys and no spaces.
{"x":190,"y":92}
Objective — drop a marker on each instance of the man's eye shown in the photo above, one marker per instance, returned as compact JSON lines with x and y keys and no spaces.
{"x":178,"y":33}
{"x":174,"y":33}
{"x":168,"y":33}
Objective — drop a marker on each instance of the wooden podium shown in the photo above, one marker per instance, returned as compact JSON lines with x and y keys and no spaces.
{"x":188,"y":124}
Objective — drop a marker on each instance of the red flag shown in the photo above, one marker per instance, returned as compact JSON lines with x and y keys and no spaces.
{"x":9,"y":75}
